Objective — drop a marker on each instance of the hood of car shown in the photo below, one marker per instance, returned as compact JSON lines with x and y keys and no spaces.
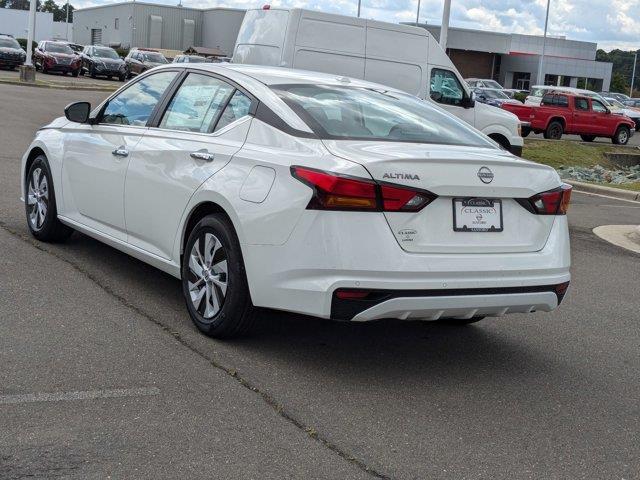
{"x":153,"y":64}
{"x":110,"y":61}
{"x":57,"y":55}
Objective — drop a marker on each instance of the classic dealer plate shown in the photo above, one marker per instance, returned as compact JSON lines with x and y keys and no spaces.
{"x":477,"y":215}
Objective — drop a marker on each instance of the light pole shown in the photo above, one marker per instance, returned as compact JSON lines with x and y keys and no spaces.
{"x":633,"y":75}
{"x":444,"y":29}
{"x":359,"y":2}
{"x":418,"y":14}
{"x":31,"y":32}
{"x":544,"y":46}
{"x":67,"y":20}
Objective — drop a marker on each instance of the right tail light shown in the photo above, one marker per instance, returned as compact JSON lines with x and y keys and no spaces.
{"x":551,"y":202}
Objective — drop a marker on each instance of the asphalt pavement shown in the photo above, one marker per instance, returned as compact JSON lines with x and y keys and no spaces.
{"x":103,"y":373}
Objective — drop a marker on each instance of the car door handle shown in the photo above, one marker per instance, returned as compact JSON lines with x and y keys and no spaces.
{"x":202,"y":155}
{"x":120,"y":152}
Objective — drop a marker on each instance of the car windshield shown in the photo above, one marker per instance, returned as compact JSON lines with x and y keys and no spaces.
{"x":154,"y":57}
{"x":196,"y":59}
{"x":106,"y":53}
{"x":341,"y":112}
{"x":58,"y":48}
{"x":9,"y":43}
{"x":493,"y":93}
{"x":493,"y":84}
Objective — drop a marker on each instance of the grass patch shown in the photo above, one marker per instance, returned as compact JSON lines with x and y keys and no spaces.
{"x":569,"y":154}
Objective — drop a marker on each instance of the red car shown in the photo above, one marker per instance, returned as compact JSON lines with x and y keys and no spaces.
{"x":568,"y":113}
{"x":56,"y":57}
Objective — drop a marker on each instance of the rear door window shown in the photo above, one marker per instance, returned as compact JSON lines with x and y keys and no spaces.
{"x":238,"y":107}
{"x":197,"y":104}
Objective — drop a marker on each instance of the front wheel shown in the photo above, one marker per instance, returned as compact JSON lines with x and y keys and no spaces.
{"x":76,"y":73}
{"x":554,"y":131}
{"x":214,"y":281}
{"x":92,"y":72}
{"x":40,"y":204}
{"x":622,"y":135}
{"x":588,"y":138}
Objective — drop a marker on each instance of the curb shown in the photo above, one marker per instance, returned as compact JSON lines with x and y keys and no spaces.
{"x":606,"y":191}
{"x":59,"y":87}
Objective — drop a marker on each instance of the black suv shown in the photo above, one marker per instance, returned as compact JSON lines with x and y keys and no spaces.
{"x":103,"y":62}
{"x":11,"y":53}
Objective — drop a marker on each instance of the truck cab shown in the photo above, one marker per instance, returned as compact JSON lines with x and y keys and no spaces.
{"x":401,"y":56}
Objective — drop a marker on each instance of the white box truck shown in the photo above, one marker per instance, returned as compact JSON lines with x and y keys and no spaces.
{"x":401,"y":56}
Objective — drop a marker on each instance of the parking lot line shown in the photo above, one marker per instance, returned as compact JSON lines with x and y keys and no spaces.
{"x":81,"y":395}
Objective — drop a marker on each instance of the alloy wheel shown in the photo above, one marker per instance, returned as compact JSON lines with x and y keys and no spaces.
{"x":38,"y":198}
{"x":207,"y":282}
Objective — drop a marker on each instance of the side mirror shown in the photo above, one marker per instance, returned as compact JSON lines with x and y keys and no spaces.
{"x":78,"y":112}
{"x":470,"y":101}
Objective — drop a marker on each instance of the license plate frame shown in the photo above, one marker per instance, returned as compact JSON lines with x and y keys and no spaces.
{"x":481,"y":203}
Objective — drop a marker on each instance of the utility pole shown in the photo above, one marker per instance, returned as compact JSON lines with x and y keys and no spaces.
{"x":444,"y":29}
{"x":633,"y":75}
{"x":544,"y":46}
{"x":418,"y":14}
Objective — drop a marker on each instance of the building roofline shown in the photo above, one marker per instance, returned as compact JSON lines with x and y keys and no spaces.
{"x":150,"y":4}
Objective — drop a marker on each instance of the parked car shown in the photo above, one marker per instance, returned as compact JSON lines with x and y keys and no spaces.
{"x":103,"y":62}
{"x":192,"y":59}
{"x":73,"y":46}
{"x":633,"y":102}
{"x":488,"y":83}
{"x":621,"y":97}
{"x":279,"y":188}
{"x":139,"y":60}
{"x":52,"y":56}
{"x":11,"y":53}
{"x":565,"y":112}
{"x":405,"y":57}
{"x":493,"y":96}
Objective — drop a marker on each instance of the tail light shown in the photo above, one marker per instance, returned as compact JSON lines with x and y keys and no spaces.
{"x":332,"y":191}
{"x":551,"y":202}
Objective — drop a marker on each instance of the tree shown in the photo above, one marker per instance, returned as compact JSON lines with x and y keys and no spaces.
{"x":59,"y":12}
{"x":17,"y":4}
{"x":619,"y":83}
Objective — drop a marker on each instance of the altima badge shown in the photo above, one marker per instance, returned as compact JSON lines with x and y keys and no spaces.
{"x":485,"y":175}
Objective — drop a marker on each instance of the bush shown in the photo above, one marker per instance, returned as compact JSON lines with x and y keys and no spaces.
{"x":520,"y":96}
{"x":23,"y":44}
{"x":123,"y":52}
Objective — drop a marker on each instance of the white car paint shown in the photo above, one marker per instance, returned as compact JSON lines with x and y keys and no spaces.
{"x":401,"y":56}
{"x":296,"y":258}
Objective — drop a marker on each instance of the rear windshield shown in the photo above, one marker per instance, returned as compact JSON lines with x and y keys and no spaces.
{"x":9,"y":43}
{"x":340,"y":113}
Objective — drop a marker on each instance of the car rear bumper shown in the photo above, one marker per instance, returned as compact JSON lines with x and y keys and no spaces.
{"x":327,"y":253}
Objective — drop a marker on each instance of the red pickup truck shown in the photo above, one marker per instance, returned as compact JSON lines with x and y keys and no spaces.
{"x":560,"y":113}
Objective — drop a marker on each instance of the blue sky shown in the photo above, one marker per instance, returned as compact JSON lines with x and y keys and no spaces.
{"x":610,"y":23}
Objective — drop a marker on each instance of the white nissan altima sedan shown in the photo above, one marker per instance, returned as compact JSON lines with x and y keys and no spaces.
{"x":299,"y":191}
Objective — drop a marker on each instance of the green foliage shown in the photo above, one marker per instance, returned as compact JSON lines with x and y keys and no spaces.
{"x":622,"y":68}
{"x":23,"y":44}
{"x":123,"y":52}
{"x":59,"y":11}
{"x":520,"y":96}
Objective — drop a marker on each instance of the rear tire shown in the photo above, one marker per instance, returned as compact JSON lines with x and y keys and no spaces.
{"x":554,"y":131}
{"x":588,"y":138}
{"x":622,"y":135}
{"x":460,"y":322}
{"x":217,"y":295}
{"x":40,"y":204}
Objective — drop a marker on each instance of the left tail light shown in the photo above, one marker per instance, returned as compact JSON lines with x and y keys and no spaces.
{"x":551,"y":202}
{"x":333,"y":191}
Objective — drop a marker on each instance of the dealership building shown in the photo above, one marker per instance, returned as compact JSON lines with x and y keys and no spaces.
{"x":512,"y":59}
